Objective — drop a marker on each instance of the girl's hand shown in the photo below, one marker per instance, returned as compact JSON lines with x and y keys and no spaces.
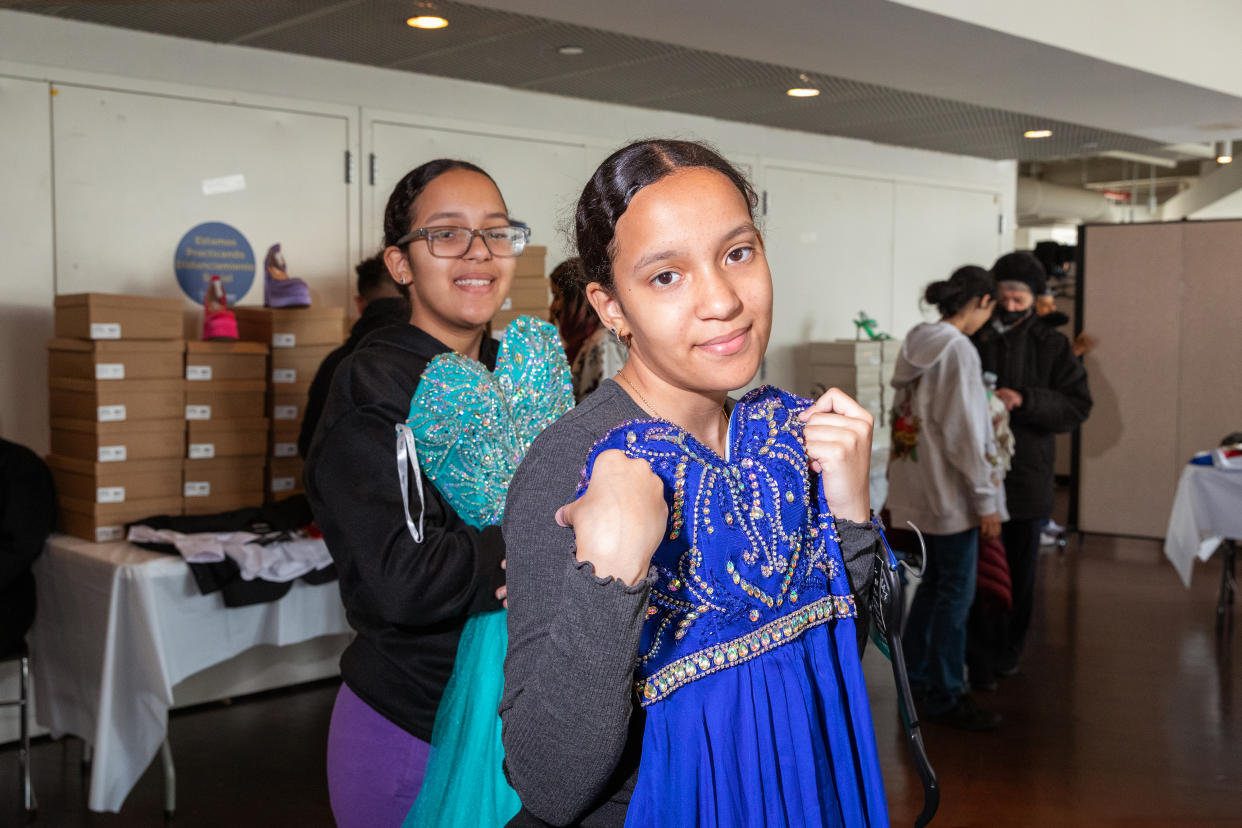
{"x":838,"y":446}
{"x":990,"y":526}
{"x":620,"y":520}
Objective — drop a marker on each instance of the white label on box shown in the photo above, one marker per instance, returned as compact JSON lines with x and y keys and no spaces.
{"x":198,"y":412}
{"x":110,"y":370}
{"x":285,"y":450}
{"x":285,"y":375}
{"x":224,"y":184}
{"x":284,"y":340}
{"x":282,"y":484}
{"x":105,"y":330}
{"x":508,"y":303}
{"x":202,"y":451}
{"x":110,"y":413}
{"x":197,"y":488}
{"x":112,"y":454}
{"x":285,"y":412}
{"x":198,"y":372}
{"x":110,"y":494}
{"x":103,"y":534}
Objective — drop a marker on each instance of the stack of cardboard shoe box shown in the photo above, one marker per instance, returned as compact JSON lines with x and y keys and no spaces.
{"x":117,"y":411}
{"x":856,"y":367}
{"x":226,"y":427}
{"x":531,"y":292}
{"x":300,"y":338}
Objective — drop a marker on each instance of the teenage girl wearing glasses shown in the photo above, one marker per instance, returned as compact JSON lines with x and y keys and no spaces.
{"x":448,"y":236}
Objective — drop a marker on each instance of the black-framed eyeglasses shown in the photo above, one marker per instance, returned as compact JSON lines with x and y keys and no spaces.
{"x":453,"y":242}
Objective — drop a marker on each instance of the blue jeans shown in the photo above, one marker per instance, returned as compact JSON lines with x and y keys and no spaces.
{"x":935,"y":636}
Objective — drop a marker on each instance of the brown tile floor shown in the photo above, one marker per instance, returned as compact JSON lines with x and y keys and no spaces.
{"x":1123,"y":715}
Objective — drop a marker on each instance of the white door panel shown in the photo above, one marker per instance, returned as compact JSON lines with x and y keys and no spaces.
{"x":130,"y":173}
{"x":540,"y":181}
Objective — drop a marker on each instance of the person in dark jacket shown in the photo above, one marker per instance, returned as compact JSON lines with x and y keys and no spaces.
{"x":411,"y":570}
{"x":1044,"y":386}
{"x":27,"y":515}
{"x":381,"y":302}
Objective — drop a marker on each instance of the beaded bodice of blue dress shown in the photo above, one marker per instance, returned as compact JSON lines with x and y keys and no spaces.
{"x":748,"y":666}
{"x":470,"y":428}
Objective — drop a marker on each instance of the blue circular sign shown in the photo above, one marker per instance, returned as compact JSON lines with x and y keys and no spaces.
{"x":214,"y":249}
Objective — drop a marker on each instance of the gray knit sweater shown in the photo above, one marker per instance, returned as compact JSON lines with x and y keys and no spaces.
{"x":572,"y":731}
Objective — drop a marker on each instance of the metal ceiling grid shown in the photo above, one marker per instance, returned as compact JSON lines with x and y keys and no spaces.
{"x":520,"y":51}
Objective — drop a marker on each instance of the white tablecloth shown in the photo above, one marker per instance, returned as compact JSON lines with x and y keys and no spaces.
{"x":1207,"y":508}
{"x":118,"y":627}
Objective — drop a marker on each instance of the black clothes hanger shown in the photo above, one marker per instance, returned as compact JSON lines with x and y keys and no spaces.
{"x":887,"y":611}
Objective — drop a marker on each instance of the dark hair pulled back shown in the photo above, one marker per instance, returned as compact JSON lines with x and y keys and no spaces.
{"x":400,"y":210}
{"x":618,"y":180}
{"x":953,"y":294}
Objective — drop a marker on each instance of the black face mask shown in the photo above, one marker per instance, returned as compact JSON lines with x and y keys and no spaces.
{"x":1009,"y":318}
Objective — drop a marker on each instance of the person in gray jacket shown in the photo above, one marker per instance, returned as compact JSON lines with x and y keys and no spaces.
{"x":944,"y":477}
{"x":680,"y":277}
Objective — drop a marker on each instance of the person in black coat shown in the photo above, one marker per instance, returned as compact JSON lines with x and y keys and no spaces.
{"x":381,"y":302}
{"x":27,"y":516}
{"x":1044,"y":386}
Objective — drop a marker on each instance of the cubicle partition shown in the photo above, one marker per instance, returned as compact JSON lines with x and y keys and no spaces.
{"x":1164,"y":301}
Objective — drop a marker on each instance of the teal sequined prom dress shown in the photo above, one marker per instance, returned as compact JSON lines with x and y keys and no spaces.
{"x":469,"y":429}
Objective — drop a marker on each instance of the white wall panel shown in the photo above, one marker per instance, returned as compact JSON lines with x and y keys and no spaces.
{"x":130,"y":171}
{"x":540,"y":179}
{"x":26,"y":284}
{"x":830,"y":245}
{"x":935,"y":231}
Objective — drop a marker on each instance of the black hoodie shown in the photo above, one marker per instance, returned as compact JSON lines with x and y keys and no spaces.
{"x":407,"y":601}
{"x":379,"y":313}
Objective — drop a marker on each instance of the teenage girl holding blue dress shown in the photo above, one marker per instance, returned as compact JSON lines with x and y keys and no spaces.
{"x":684,"y":570}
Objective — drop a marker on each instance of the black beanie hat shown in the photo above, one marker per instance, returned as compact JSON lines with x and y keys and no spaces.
{"x":1021,"y":267}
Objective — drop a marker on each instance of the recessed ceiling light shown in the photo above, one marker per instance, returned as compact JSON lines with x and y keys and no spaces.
{"x":570,"y":50}
{"x":802,"y":92}
{"x":427,"y":21}
{"x":1037,"y":133}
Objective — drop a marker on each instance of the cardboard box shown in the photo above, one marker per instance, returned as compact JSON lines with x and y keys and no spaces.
{"x":283,"y":438}
{"x":102,"y":522}
{"x":115,"y":316}
{"x":108,"y":401}
{"x":889,"y":349}
{"x":118,"y":442}
{"x":284,"y":477}
{"x":291,"y":327}
{"x":115,"y":482}
{"x":845,"y":352}
{"x":208,"y":439}
{"x":287,"y":409}
{"x":221,"y":476}
{"x":212,"y":504}
{"x":213,"y":361}
{"x":114,"y":360}
{"x":523,"y":297}
{"x":533,"y":261}
{"x":503,"y":318}
{"x":293,"y":369}
{"x":224,"y":400}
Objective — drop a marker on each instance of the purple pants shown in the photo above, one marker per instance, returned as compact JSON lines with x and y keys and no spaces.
{"x":375,"y":769}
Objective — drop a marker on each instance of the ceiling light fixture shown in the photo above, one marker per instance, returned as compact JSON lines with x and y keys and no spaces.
{"x":427,"y":21}
{"x":804,"y":91}
{"x":570,"y":50}
{"x":1224,"y":152}
{"x":1037,"y":133}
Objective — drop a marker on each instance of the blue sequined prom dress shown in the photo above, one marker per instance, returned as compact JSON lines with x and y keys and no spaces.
{"x":472,"y":428}
{"x":748,"y":667}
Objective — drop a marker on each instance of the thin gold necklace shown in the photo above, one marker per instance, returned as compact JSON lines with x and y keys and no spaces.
{"x":647,"y":404}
